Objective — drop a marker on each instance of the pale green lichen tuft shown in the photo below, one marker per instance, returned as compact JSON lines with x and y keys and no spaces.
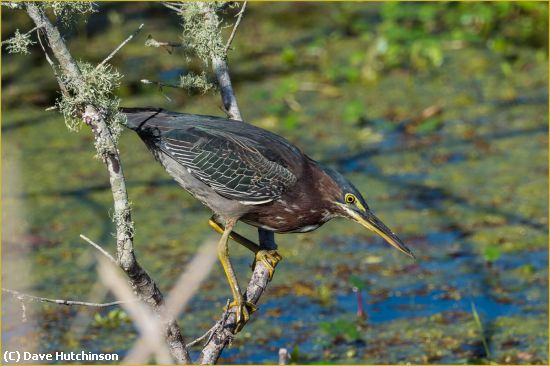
{"x":196,"y":82}
{"x":96,"y":90}
{"x":67,"y":11}
{"x":19,"y":43}
{"x":202,"y":31}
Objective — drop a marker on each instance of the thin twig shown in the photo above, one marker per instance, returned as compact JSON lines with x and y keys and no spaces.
{"x":98,"y":247}
{"x":151,"y":42}
{"x":159,"y":83}
{"x":177,"y":7}
{"x":240,"y":17}
{"x":112,"y":54}
{"x":46,"y":53}
{"x":210,"y":332}
{"x":168,"y":46}
{"x":225,"y":316}
{"x":202,"y":337}
{"x":62,"y":85}
{"x":21,"y":296}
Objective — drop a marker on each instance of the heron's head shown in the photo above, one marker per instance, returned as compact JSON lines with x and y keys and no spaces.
{"x":348,"y":202}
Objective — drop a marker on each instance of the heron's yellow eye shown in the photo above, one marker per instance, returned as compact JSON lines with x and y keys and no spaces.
{"x":349,"y":198}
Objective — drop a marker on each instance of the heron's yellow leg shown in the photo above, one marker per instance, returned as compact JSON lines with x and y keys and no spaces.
{"x":268,"y":257}
{"x":243,"y":308}
{"x":250,"y":245}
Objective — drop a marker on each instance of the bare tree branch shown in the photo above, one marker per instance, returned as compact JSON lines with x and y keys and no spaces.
{"x":221,"y":69}
{"x":112,"y":54}
{"x":98,"y":247}
{"x":21,"y":296}
{"x":239,"y":18}
{"x":142,"y":283}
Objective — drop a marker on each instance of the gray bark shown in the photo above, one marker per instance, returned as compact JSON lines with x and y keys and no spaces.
{"x":221,"y":69}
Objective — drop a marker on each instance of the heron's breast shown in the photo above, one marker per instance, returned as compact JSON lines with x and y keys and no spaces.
{"x":284,"y":217}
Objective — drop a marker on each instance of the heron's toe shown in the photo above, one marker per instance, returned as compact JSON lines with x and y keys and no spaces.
{"x":243,"y":310}
{"x":270,"y":258}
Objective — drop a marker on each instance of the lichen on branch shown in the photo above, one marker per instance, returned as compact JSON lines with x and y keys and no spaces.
{"x":199,"y":82}
{"x":201,"y":29}
{"x":97,"y":88}
{"x":123,"y":222}
{"x":19,"y":43}
{"x":68,"y":11}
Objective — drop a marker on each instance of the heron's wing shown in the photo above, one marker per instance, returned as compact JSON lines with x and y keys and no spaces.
{"x":234,"y":166}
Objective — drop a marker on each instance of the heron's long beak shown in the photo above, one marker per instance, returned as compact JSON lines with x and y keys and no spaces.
{"x":373,"y":223}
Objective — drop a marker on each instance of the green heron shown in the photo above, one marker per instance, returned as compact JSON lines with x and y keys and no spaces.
{"x":242,"y":172}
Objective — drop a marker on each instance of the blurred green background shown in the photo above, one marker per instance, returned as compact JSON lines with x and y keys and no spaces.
{"x":438,"y":112}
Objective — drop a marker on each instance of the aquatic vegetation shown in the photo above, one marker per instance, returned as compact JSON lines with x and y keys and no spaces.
{"x":481,"y":331}
{"x":112,"y":319}
{"x":491,"y":254}
{"x":340,"y":330}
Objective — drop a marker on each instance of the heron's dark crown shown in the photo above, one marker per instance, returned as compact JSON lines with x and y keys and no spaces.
{"x":344,"y":186}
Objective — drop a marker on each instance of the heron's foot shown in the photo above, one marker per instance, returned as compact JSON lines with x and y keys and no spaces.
{"x":243,"y":310}
{"x":269,"y":258}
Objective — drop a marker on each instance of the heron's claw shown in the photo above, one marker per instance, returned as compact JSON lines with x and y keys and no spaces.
{"x":242,"y":312}
{"x":269,"y":258}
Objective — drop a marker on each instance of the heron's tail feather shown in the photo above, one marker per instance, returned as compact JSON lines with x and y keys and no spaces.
{"x":137,"y":117}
